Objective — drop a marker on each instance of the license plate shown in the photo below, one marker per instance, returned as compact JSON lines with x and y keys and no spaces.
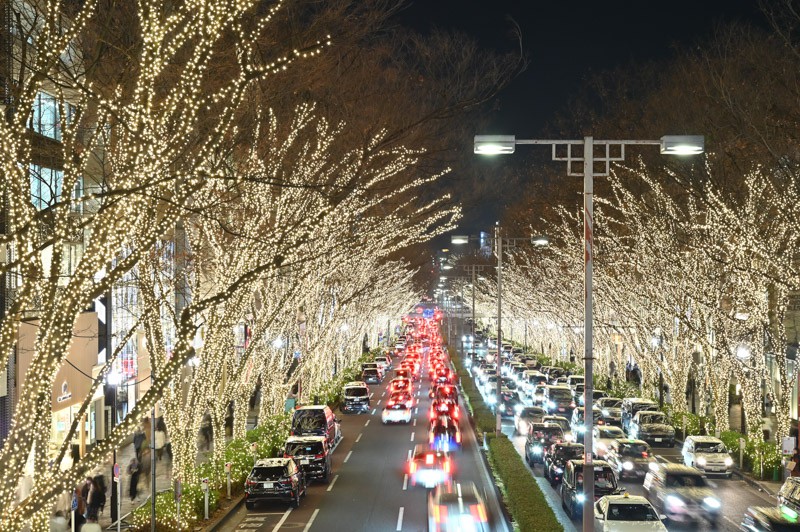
{"x":658,"y":439}
{"x":267,"y":485}
{"x":305,"y":461}
{"x":560,"y":409}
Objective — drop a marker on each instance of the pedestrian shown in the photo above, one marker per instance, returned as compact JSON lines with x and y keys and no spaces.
{"x":134,"y":472}
{"x":794,"y":463}
{"x":96,"y":500}
{"x":59,"y":523}
{"x":161,"y":436}
{"x":100,"y":481}
{"x":138,"y":441}
{"x":91,"y":526}
{"x":768,"y":404}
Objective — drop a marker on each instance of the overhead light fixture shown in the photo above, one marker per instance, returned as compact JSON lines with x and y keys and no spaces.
{"x":682,"y":144}
{"x":459,"y":240}
{"x":494,"y":144}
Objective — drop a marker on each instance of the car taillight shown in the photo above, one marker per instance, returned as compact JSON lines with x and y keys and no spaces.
{"x":429,"y":459}
{"x":478,"y":512}
{"x":251,"y":483}
{"x":458,"y":437}
{"x":412,"y":466}
{"x":286,"y":455}
{"x":447,"y":466}
{"x":644,"y":454}
{"x":318,"y":456}
{"x":455,"y":412}
{"x":390,"y":403}
{"x":440,"y":513}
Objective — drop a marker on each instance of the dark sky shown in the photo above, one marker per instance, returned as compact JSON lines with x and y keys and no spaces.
{"x":566,"y":42}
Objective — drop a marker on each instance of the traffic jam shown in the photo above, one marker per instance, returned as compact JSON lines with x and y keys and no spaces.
{"x":644,"y":478}
{"x":392,"y":389}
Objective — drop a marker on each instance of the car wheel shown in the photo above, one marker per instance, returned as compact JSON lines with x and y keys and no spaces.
{"x":249,"y":505}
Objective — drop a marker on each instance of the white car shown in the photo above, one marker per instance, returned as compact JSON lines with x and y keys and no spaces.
{"x":708,"y":454}
{"x":396,"y":413}
{"x":602,"y":436}
{"x":626,"y":513}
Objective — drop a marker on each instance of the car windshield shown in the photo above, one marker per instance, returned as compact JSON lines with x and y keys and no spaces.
{"x":303,"y":448}
{"x":569,"y":452}
{"x":634,"y":449}
{"x":604,"y":479}
{"x":559,"y":393}
{"x":308,"y":420}
{"x":653,"y":418}
{"x":531,"y":413}
{"x":261,"y":474}
{"x":370,"y":372}
{"x":612,"y":403}
{"x":631,"y":512}
{"x":610,"y":432}
{"x":685,"y":480}
{"x":563,"y":423}
{"x":642,"y":406}
{"x":709,"y":447}
{"x":548,"y":433}
{"x":356,"y":392}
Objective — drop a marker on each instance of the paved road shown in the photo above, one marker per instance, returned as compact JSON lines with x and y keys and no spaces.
{"x":369,"y":491}
{"x":736,"y":495}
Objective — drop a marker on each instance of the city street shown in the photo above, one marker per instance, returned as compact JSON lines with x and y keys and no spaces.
{"x":369,"y":490}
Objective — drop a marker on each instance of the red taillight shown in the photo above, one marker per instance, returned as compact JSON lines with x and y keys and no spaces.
{"x":251,"y":483}
{"x":429,"y":459}
{"x":644,"y":454}
{"x":458,"y":437}
{"x":455,"y":412}
{"x":318,"y":456}
{"x":440,"y":513}
{"x":390,"y":403}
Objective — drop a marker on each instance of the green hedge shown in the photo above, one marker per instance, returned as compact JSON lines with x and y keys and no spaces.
{"x":522,"y":494}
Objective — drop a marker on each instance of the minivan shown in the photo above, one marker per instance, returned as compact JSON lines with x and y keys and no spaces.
{"x":631,"y":405}
{"x":356,"y":397}
{"x":558,"y":399}
{"x":316,"y":420}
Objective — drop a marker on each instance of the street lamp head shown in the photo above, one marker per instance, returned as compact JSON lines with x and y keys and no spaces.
{"x":540,"y":240}
{"x":682,"y":144}
{"x":447,"y":266}
{"x":494,"y":144}
{"x":458,"y":240}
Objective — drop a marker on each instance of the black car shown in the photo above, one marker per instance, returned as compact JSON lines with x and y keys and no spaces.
{"x":555,"y":460}
{"x":770,"y":519}
{"x":572,"y":496}
{"x":356,"y":397}
{"x":540,"y":437}
{"x":371,"y":376}
{"x":510,"y":403}
{"x":274,"y":479}
{"x":312,"y":454}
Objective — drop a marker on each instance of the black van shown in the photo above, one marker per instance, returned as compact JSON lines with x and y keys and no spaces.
{"x":316,"y":420}
{"x":356,"y":397}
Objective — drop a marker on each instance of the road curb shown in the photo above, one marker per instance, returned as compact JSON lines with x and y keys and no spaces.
{"x":223,"y":518}
{"x":754,"y":483}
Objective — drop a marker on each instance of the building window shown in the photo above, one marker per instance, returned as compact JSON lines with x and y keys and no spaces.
{"x":46,"y":184}
{"x":46,"y":116}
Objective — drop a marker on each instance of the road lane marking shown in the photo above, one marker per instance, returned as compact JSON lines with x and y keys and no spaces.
{"x":367,"y":423}
{"x":412,"y":436}
{"x":370,"y":395}
{"x":415,"y":422}
{"x":310,"y":521}
{"x":405,"y":482}
{"x":416,"y":411}
{"x":409,"y":453}
{"x":346,"y":458}
{"x":359,"y":437}
{"x":283,"y":520}
{"x":378,"y":403}
{"x":384,"y":393}
{"x":373,"y":413}
{"x":330,"y":487}
{"x":400,"y":519}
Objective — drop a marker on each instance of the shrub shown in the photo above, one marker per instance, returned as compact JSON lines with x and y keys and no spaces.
{"x":192,"y":509}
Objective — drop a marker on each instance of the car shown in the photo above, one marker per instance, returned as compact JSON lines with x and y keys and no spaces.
{"x":384,"y":363}
{"x":403,"y":373}
{"x":611,"y":408}
{"x":602,"y":436}
{"x":596,"y":395}
{"x":404,"y":397}
{"x":708,"y":454}
{"x":631,"y":405}
{"x":529,"y":380}
{"x":562,"y":422}
{"x":446,"y":407}
{"x":652,"y":427}
{"x":373,"y":365}
{"x":527,"y":416}
{"x":455,"y":509}
{"x":429,"y":467}
{"x":789,"y":494}
{"x":682,"y":493}
{"x":371,"y":376}
{"x":316,"y":420}
{"x":356,"y":397}
{"x":444,"y":391}
{"x":444,"y":434}
{"x":510,"y":403}
{"x":630,"y":458}
{"x":396,"y":412}
{"x":770,"y":519}
{"x":577,"y":422}
{"x":540,"y":437}
{"x":399,"y":384}
{"x":556,"y":458}
{"x":622,"y":513}
{"x":537,"y":393}
{"x":558,"y":399}
{"x":274,"y":479}
{"x":572,"y":496}
{"x":312,"y":454}
{"x":574,"y":380}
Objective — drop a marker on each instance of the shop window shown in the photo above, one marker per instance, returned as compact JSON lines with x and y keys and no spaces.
{"x":46,"y":116}
{"x":46,"y":185}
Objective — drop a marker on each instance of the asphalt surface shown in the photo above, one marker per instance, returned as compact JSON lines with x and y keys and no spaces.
{"x":369,"y":490}
{"x":736,"y":495}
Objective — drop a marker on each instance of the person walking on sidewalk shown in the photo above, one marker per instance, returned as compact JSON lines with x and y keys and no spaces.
{"x":161,"y":437}
{"x":138,"y":441}
{"x":133,"y":471}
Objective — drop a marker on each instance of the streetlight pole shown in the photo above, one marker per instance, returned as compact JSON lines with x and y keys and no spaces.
{"x":669,"y":144}
{"x":499,"y":243}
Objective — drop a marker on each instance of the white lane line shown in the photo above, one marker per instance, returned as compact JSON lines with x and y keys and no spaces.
{"x":412,"y":436}
{"x":400,"y":519}
{"x":346,"y":458}
{"x":370,"y":395}
{"x":373,"y":412}
{"x":415,"y":422}
{"x":330,"y":486}
{"x":409,"y":453}
{"x":283,"y":520}
{"x":359,"y":437}
{"x":405,"y":482}
{"x":310,"y":521}
{"x":384,"y":393}
{"x":378,"y":403}
{"x":416,"y":411}
{"x":367,"y":423}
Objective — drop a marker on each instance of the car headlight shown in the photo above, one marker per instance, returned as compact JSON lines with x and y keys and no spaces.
{"x":712,"y":503}
{"x":605,"y":412}
{"x":581,"y":429}
{"x":701,"y":461}
{"x":551,"y":404}
{"x":491,"y":400}
{"x":580,"y":497}
{"x":559,"y":470}
{"x":728,"y":461}
{"x":537,"y":449}
{"x":672,"y":500}
{"x":518,"y":408}
{"x":627,"y":466}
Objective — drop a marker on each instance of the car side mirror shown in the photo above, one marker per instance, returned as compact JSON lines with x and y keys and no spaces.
{"x":662,"y":516}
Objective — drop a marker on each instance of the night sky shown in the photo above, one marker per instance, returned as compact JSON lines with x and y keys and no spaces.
{"x":566,"y":42}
